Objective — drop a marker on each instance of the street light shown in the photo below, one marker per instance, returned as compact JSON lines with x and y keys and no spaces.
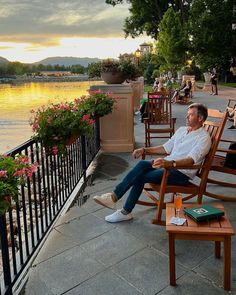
{"x":189,"y":62}
{"x":137,"y":55}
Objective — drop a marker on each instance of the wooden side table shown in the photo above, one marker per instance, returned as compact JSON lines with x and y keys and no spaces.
{"x":218,"y":230}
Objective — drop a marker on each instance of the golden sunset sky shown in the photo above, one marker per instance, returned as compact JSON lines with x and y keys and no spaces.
{"x":31,"y":30}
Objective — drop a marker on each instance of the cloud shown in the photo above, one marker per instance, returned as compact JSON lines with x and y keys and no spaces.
{"x":38,"y":21}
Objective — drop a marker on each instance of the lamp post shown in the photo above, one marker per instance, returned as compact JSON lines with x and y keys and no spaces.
{"x":189,"y":62}
{"x":137,"y":56}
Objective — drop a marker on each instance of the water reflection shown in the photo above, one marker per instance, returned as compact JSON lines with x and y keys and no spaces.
{"x":16,"y":101}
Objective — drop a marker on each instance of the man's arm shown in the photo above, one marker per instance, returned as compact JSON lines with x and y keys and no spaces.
{"x":153,"y":150}
{"x":162,"y":163}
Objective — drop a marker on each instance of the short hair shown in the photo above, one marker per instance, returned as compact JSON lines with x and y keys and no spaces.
{"x":201,"y":109}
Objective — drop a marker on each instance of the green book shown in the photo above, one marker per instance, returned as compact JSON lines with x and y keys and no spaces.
{"x":203,"y":213}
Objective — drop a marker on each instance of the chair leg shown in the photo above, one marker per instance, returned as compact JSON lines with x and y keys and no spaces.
{"x":161,"y":200}
{"x":199,"y":198}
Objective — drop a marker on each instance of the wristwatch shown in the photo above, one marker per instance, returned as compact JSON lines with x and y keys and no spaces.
{"x":174,"y":163}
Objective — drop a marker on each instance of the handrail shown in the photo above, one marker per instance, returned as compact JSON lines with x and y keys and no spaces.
{"x":42,"y":199}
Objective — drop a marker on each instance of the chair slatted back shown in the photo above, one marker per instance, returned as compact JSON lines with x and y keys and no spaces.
{"x":158,"y":108}
{"x":215,"y":128}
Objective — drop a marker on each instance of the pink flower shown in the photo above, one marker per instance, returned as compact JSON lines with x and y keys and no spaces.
{"x":86,"y":117}
{"x":64,"y":107}
{"x":35,"y":127}
{"x":55,"y":150}
{"x":3,"y":173}
{"x":34,"y":167}
{"x":49,"y":120}
{"x":23,"y":159}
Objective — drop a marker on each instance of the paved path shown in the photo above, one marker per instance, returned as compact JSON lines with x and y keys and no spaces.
{"x":85,"y":255}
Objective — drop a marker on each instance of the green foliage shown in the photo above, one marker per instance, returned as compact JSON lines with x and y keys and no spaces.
{"x":128,"y":68}
{"x":145,"y":16}
{"x":77,"y":69}
{"x":212,"y":36}
{"x":17,"y":68}
{"x":97,"y":104}
{"x":172,"y":43}
{"x":94,"y":70}
{"x":55,"y":124}
{"x":13,"y":173}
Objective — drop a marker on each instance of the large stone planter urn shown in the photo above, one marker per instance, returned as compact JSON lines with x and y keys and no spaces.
{"x":112,"y":77}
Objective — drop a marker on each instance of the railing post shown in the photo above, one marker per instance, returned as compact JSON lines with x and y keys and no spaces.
{"x":5,"y":255}
{"x":84,"y":158}
{"x":97,"y":133}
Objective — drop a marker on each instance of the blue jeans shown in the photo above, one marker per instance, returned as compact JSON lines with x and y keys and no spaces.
{"x":139,"y":175}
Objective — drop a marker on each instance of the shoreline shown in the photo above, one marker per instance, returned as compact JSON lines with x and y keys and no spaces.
{"x":23,"y":79}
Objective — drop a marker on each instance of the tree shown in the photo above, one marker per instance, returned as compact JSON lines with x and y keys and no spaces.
{"x":94,"y":69}
{"x":145,"y":16}
{"x":211,"y":33}
{"x":172,"y":41}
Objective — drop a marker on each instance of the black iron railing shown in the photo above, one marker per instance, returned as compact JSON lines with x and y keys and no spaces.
{"x":23,"y":228}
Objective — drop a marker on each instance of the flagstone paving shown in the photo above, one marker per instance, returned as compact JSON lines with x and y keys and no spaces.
{"x":85,"y":255}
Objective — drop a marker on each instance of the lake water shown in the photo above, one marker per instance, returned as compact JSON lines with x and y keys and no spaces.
{"x":16,"y":101}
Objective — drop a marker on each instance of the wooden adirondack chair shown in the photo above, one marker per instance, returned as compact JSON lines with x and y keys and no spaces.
{"x":218,"y":165}
{"x":159,"y":122}
{"x":219,"y":168}
{"x":157,"y":192}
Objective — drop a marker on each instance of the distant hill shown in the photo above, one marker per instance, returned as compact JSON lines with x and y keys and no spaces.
{"x":68,"y":61}
{"x":3,"y":60}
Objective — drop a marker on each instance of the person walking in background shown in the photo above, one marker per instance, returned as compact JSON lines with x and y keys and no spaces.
{"x":232,"y":114}
{"x":214,"y":89}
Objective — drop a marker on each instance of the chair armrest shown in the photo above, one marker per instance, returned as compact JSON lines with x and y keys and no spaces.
{"x":226,"y":151}
{"x":193,"y":167}
{"x":227,"y":140}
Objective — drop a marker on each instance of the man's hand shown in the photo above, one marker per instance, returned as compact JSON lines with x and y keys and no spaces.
{"x":138,"y":153}
{"x":161,"y":163}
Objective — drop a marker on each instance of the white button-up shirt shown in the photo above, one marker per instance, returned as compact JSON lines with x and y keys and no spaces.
{"x":183,"y":144}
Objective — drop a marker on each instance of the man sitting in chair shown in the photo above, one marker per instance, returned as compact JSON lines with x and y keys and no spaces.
{"x":188,"y":146}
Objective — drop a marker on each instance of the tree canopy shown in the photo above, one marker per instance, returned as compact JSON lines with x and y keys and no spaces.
{"x":146,"y":15}
{"x":172,"y":41}
{"x":211,"y":33}
{"x":199,"y":29}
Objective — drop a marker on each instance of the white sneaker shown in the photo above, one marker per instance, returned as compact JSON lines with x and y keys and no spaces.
{"x":118,"y":216}
{"x":105,"y":200}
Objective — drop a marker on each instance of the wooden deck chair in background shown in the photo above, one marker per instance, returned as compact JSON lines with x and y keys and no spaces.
{"x":221,"y":170}
{"x":157,"y":192}
{"x":159,"y":122}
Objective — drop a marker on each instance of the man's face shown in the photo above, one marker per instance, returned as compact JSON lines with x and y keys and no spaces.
{"x":192,"y":118}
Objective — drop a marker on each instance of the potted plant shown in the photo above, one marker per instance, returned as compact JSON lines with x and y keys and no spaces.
{"x":114,"y":71}
{"x":111,"y":72}
{"x":56,"y":124}
{"x":13,"y":173}
{"x":97,"y":104}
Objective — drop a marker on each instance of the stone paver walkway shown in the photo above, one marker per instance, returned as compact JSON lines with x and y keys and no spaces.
{"x":85,"y":255}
